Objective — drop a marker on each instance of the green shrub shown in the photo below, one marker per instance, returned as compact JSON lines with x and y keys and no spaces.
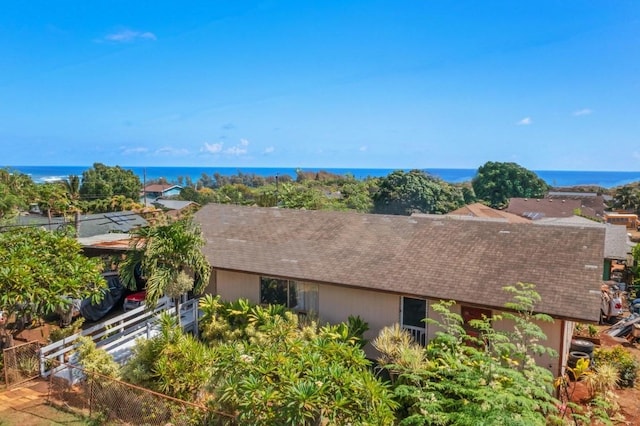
{"x":60,"y":333}
{"x":621,"y":359}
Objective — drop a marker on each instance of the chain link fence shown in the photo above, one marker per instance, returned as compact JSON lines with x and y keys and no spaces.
{"x":21,"y":363}
{"x":110,"y":401}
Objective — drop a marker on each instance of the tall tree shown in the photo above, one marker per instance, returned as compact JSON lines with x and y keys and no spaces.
{"x":41,"y":271}
{"x":100,"y":182}
{"x":416,"y":191}
{"x":627,"y":198}
{"x":496,"y":183}
{"x":167,"y":253}
{"x":17,"y":190}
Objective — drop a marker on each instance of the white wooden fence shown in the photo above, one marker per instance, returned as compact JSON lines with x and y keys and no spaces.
{"x":117,"y":335}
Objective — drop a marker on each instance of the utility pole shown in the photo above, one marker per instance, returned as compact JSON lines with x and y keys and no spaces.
{"x":144,"y":185}
{"x":277,"y":201}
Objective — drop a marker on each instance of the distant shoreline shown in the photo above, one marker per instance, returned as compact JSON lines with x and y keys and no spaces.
{"x":555,"y":178}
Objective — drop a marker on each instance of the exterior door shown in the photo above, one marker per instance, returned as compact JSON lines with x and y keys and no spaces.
{"x":414,"y":311}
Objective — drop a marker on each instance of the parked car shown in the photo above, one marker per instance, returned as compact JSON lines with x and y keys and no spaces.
{"x":112,"y":298}
{"x":134,"y":300}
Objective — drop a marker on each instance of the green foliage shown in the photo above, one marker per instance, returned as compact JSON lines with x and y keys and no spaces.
{"x":496,"y":183}
{"x":405,"y":193}
{"x":41,"y":271}
{"x":627,"y":198}
{"x":622,"y":360}
{"x":271,"y":371}
{"x":167,"y":251}
{"x":60,"y":333}
{"x":462,"y":380}
{"x":104,"y":182}
{"x":17,"y":190}
{"x":173,"y":363}
{"x":96,"y":360}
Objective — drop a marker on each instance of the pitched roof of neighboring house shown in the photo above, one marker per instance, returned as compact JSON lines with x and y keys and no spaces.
{"x":113,"y":222}
{"x":90,"y":224}
{"x":466,"y":261}
{"x":174,"y":204}
{"x":160,"y":188}
{"x":482,"y":211}
{"x":617,"y":244}
{"x":593,"y":204}
{"x":536,"y":208}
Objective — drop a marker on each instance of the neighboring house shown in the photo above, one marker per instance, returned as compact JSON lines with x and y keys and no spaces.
{"x":537,"y":208}
{"x":617,"y":244}
{"x":97,"y":233}
{"x":153,"y":192}
{"x":392,"y":269}
{"x":480,"y":210}
{"x":592,"y":204}
{"x":176,"y":208}
{"x":628,"y":220}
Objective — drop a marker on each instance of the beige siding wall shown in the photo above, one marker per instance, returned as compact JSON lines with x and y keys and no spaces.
{"x":377,"y":309}
{"x":554,"y":333}
{"x":235,"y":285}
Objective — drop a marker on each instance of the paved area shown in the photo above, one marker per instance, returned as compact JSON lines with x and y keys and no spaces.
{"x":26,"y":394}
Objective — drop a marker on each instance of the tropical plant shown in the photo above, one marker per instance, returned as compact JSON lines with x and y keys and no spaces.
{"x":459,"y":379}
{"x":17,"y":190}
{"x":626,"y":365}
{"x":96,"y":360}
{"x":41,"y":271}
{"x":167,"y":253}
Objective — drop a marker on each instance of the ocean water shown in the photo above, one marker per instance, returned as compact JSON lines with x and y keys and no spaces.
{"x":606,"y":179}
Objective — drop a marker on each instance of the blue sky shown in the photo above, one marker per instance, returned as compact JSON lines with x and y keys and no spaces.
{"x":550,"y":85}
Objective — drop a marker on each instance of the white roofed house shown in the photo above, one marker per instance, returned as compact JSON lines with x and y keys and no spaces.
{"x":391,"y":269}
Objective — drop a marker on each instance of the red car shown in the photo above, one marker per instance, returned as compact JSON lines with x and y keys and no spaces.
{"x":134,"y":300}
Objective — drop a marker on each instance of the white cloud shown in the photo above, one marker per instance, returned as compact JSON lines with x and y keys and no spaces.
{"x":167,"y":150}
{"x":584,"y":111}
{"x":127,"y":36}
{"x":363,"y":148}
{"x":525,"y":122}
{"x":239,"y":149}
{"x":217,"y":148}
{"x":212,"y":148}
{"x":236,"y":150}
{"x":269,"y":150}
{"x":138,"y":150}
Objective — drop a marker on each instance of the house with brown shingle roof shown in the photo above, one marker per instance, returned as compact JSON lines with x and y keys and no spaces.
{"x":392,"y":269}
{"x":537,"y":208}
{"x":480,"y":210}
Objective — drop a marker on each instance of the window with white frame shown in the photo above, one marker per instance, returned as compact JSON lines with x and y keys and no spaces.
{"x":299,"y":296}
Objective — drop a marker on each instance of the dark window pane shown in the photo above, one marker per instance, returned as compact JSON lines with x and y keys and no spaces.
{"x":414,"y":312}
{"x":273,"y":291}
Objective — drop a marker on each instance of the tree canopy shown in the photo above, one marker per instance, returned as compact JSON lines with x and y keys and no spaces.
{"x":41,"y":271}
{"x":495,"y":183}
{"x":17,"y":190}
{"x":101,"y":181}
{"x":416,"y":191}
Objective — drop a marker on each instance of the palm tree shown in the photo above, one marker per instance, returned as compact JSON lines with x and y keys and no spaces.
{"x":171,"y":259}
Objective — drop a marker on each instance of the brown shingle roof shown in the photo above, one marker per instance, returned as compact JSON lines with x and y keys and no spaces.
{"x":466,"y":261}
{"x":535,"y":208}
{"x":482,"y":211}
